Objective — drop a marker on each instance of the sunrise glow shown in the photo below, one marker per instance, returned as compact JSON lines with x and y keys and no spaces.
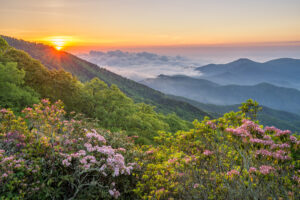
{"x":59,"y":42}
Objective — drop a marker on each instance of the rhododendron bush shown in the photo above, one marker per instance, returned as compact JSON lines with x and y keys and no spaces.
{"x":47,"y":153}
{"x":45,"y":156}
{"x":228,"y":158}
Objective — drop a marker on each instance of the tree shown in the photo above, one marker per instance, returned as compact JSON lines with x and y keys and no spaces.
{"x":14,"y":94}
{"x":250,"y":108}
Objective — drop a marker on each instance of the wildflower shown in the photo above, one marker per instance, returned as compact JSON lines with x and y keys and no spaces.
{"x":259,"y":141}
{"x":265,"y":169}
{"x":211,"y":124}
{"x":17,"y":165}
{"x":293,"y":139}
{"x":196,"y":185}
{"x":150,"y":152}
{"x":267,"y":137}
{"x":45,"y":101}
{"x":172,"y":160}
{"x":187,"y":159}
{"x":115,"y":193}
{"x":3,"y":110}
{"x":122,"y":149}
{"x":280,"y":155}
{"x":161,"y":190}
{"x":4,"y":175}
{"x":233,"y":172}
{"x":207,"y":152}
{"x":66,"y":162}
{"x":252,"y":169}
{"x":263,"y":152}
{"x":94,"y":134}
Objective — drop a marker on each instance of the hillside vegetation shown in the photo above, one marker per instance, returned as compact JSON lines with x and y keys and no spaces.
{"x":64,"y":139}
{"x":267,"y":116}
{"x":94,"y":98}
{"x":85,"y":71}
{"x":45,"y":155}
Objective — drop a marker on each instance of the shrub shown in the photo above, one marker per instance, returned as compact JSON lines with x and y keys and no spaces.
{"x":228,"y":158}
{"x":46,"y":156}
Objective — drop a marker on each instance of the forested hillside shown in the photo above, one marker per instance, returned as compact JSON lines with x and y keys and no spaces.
{"x":85,"y":71}
{"x":25,"y":80}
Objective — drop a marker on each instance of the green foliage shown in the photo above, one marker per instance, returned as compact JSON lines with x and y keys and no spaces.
{"x":86,"y":71}
{"x":108,"y":104}
{"x":116,"y":111}
{"x":3,"y":45}
{"x":46,"y":156}
{"x":228,"y":158}
{"x":13,"y":92}
{"x":266,"y":116}
{"x":250,"y":108}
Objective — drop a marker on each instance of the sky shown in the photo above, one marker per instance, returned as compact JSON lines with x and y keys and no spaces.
{"x":154,"y":24}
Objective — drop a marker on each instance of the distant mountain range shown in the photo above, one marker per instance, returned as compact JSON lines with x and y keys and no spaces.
{"x":205,"y":91}
{"x":85,"y":71}
{"x":281,"y":72}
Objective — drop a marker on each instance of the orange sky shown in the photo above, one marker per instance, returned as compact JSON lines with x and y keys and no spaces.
{"x":87,"y":24}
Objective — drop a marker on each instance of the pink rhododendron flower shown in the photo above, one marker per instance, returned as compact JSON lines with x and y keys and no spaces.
{"x":95,"y":135}
{"x":115,"y":193}
{"x":293,"y":139}
{"x":263,"y":152}
{"x":252,"y":169}
{"x":207,"y":152}
{"x":233,"y":172}
{"x":122,"y":149}
{"x":4,"y":175}
{"x":66,"y":163}
{"x":150,"y":152}
{"x":265,"y":169}
{"x":211,"y":124}
{"x":172,"y":160}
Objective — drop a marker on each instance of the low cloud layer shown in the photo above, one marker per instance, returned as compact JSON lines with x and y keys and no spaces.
{"x":142,"y":65}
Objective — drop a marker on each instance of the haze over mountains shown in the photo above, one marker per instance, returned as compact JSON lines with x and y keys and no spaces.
{"x":141,"y":65}
{"x":205,"y":91}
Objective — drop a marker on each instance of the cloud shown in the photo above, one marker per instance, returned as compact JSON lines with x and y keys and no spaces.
{"x":142,"y":65}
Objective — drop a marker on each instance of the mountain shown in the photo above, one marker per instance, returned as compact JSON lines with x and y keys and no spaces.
{"x":281,"y":72}
{"x":85,"y":71}
{"x":205,"y":91}
{"x":267,"y":116}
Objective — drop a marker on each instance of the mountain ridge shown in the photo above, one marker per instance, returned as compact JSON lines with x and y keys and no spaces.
{"x":281,"y":72}
{"x":85,"y":71}
{"x":205,"y":91}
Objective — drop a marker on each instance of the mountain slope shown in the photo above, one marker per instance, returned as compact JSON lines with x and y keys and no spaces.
{"x":85,"y":71}
{"x":282,"y":72}
{"x":208,"y":92}
{"x":267,"y":116}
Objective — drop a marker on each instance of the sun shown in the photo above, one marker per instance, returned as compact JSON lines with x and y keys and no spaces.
{"x":58,"y":43}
